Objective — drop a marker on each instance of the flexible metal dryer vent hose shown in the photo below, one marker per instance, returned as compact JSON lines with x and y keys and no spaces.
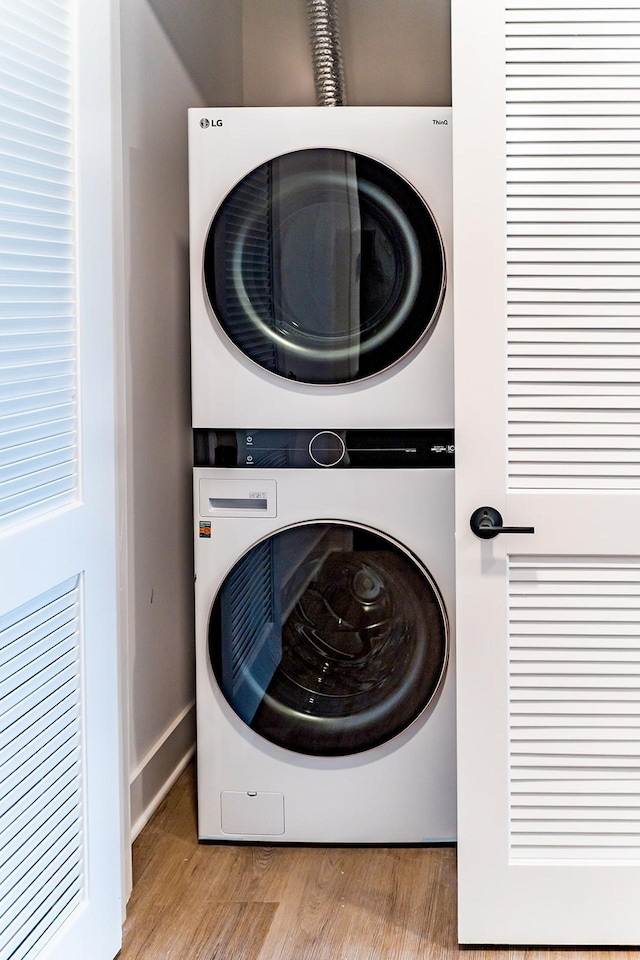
{"x":328,"y":72}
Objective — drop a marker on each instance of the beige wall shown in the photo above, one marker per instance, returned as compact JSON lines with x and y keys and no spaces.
{"x":207,"y":37}
{"x":157,"y":540}
{"x":394,"y":51}
{"x":256,"y":52}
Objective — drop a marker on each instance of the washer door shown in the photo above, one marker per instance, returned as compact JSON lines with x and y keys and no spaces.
{"x":328,"y":638}
{"x":324,"y":266}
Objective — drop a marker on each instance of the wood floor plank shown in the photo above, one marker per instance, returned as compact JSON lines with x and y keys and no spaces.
{"x":200,"y":931}
{"x":357,"y":903}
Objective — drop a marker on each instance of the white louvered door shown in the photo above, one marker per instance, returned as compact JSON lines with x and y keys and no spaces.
{"x":59,"y":742}
{"x":547,"y":272}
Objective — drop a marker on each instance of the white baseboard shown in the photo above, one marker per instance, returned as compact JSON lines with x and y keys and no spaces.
{"x":152,"y":779}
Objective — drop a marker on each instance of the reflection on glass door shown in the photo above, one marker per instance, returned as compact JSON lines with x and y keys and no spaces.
{"x":328,"y":638}
{"x":324,"y":266}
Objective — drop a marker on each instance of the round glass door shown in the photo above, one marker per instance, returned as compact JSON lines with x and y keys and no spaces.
{"x":328,"y":638}
{"x":324,"y":266}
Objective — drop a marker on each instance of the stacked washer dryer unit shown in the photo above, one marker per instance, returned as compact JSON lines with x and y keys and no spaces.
{"x":323,"y":486}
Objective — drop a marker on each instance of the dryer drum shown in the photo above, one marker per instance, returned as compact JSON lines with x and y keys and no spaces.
{"x":328,"y":638}
{"x":324,"y":266}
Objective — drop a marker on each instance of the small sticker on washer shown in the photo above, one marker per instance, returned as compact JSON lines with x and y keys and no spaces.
{"x":205,"y":528}
{"x":443,"y":448}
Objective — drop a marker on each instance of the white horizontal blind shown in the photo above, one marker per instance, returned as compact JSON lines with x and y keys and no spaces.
{"x":574,"y":708}
{"x":41,"y":803}
{"x":38,"y":467}
{"x":573,"y":244}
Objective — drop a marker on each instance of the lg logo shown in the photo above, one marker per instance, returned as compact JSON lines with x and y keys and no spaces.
{"x":204,"y":123}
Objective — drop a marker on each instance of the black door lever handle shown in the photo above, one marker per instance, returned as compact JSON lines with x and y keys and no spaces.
{"x":486,"y":523}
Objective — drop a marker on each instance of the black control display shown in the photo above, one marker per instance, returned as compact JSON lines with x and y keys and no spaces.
{"x":324,"y":449}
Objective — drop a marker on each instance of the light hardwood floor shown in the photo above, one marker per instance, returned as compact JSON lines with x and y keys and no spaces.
{"x":203,"y":902}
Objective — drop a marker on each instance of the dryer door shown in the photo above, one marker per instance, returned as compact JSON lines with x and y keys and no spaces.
{"x":324,"y":266}
{"x":328,"y":638}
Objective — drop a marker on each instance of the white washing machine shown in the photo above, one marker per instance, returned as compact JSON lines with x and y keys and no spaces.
{"x":325,"y":664}
{"x":320,"y":249}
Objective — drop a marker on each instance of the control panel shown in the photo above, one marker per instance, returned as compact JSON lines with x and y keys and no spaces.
{"x":324,"y":449}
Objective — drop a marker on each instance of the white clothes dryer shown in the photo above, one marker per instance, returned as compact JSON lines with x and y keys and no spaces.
{"x":325,"y":663}
{"x":320,"y":249}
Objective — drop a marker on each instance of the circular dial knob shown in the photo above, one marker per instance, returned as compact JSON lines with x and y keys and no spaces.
{"x":326,"y":448}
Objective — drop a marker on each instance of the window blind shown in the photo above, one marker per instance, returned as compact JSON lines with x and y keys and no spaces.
{"x":38,"y":351}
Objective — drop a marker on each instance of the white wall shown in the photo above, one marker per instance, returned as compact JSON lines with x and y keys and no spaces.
{"x":157,"y":583}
